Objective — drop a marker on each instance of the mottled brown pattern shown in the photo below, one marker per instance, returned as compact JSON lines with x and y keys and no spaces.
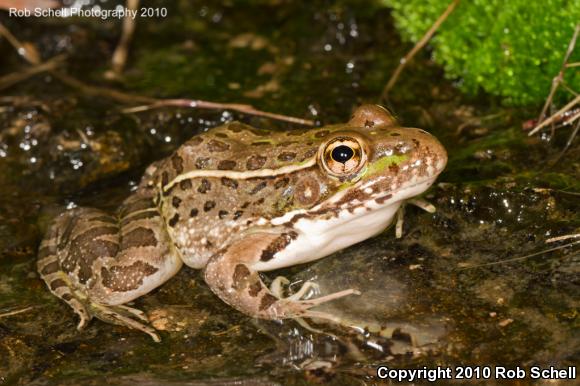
{"x":149,"y":214}
{"x":126,"y":278}
{"x":286,"y":156}
{"x":258,"y":187}
{"x":321,"y":134}
{"x":174,"y":220}
{"x":209,"y":205}
{"x":56,"y":284}
{"x":204,"y":186}
{"x":277,"y":244}
{"x":135,"y":205}
{"x":267,"y":301}
{"x":164,"y":178}
{"x":307,"y":191}
{"x":177,"y":163}
{"x":216,"y":146}
{"x":185,"y":184}
{"x":202,"y":162}
{"x":255,"y":288}
{"x":255,"y":162}
{"x":382,"y":200}
{"x":139,"y":237}
{"x":309,"y":153}
{"x":230,"y":183}
{"x":195,"y":141}
{"x":281,"y":183}
{"x":240,"y":276}
{"x":51,"y":268}
{"x":227,"y":164}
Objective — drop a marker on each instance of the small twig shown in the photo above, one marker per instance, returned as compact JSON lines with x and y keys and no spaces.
{"x":420,"y":44}
{"x":521,"y":257}
{"x":16,"y":312}
{"x":152,"y":102}
{"x":565,"y":237}
{"x":26,"y":50}
{"x":555,"y":116}
{"x":119,"y":58}
{"x":17,"y":77}
{"x":570,"y":65}
{"x":242,"y":108}
{"x":559,"y":78}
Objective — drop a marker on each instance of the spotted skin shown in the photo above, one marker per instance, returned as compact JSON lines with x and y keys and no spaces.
{"x":235,"y":201}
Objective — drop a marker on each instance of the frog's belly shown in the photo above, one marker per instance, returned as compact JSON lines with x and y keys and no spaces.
{"x":319,"y":238}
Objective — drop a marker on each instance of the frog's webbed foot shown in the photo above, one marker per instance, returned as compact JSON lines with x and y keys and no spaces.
{"x":124,"y":316}
{"x":426,"y":206}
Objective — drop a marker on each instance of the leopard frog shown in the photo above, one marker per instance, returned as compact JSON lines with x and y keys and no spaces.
{"x":235,"y":201}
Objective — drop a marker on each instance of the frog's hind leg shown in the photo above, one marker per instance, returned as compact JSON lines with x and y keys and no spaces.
{"x":96,"y":262}
{"x":57,"y":280}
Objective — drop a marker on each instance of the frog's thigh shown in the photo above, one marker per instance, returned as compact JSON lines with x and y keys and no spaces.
{"x":145,"y":260}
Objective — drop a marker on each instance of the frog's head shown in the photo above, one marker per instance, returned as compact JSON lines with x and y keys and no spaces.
{"x":368,"y":164}
{"x":376,"y":162}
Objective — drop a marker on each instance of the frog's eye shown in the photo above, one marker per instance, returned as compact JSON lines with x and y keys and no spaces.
{"x":343,"y":156}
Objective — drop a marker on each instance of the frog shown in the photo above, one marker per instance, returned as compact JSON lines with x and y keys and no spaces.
{"x":236,"y":201}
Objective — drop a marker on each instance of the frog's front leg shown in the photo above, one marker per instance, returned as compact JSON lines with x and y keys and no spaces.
{"x":231,"y":275}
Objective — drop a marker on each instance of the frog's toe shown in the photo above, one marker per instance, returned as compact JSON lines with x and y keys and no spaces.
{"x":277,"y":286}
{"x":302,"y":308}
{"x":306,"y":287}
{"x":124,"y":316}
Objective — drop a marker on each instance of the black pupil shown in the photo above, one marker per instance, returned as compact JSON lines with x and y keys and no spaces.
{"x":342,"y":153}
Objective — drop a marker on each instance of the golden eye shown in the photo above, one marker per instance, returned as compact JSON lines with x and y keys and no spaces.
{"x":343,"y":156}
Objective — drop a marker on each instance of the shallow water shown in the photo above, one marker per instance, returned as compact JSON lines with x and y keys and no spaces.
{"x":442,"y":295}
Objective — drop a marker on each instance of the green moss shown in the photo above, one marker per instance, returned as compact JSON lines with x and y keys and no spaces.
{"x":508,"y":48}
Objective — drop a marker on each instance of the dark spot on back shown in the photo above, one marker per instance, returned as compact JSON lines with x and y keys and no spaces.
{"x":222,"y":214}
{"x":221,"y":135}
{"x":217,"y":146}
{"x":309,"y":153}
{"x":281,"y":183}
{"x":185,"y":184}
{"x":229,"y":183}
{"x":245,"y":204}
{"x":177,"y":163}
{"x":164,"y":178}
{"x":382,"y":200}
{"x":259,"y":187}
{"x":204,"y":186}
{"x":175,"y":202}
{"x":286,"y":156}
{"x":226,"y":164}
{"x":174,"y":220}
{"x":201,"y":162}
{"x":260,"y":143}
{"x":395,"y":134}
{"x":369,"y":123}
{"x":193,"y":212}
{"x":209,"y":205}
{"x":238,"y":214}
{"x":394,"y":168}
{"x":255,"y":162}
